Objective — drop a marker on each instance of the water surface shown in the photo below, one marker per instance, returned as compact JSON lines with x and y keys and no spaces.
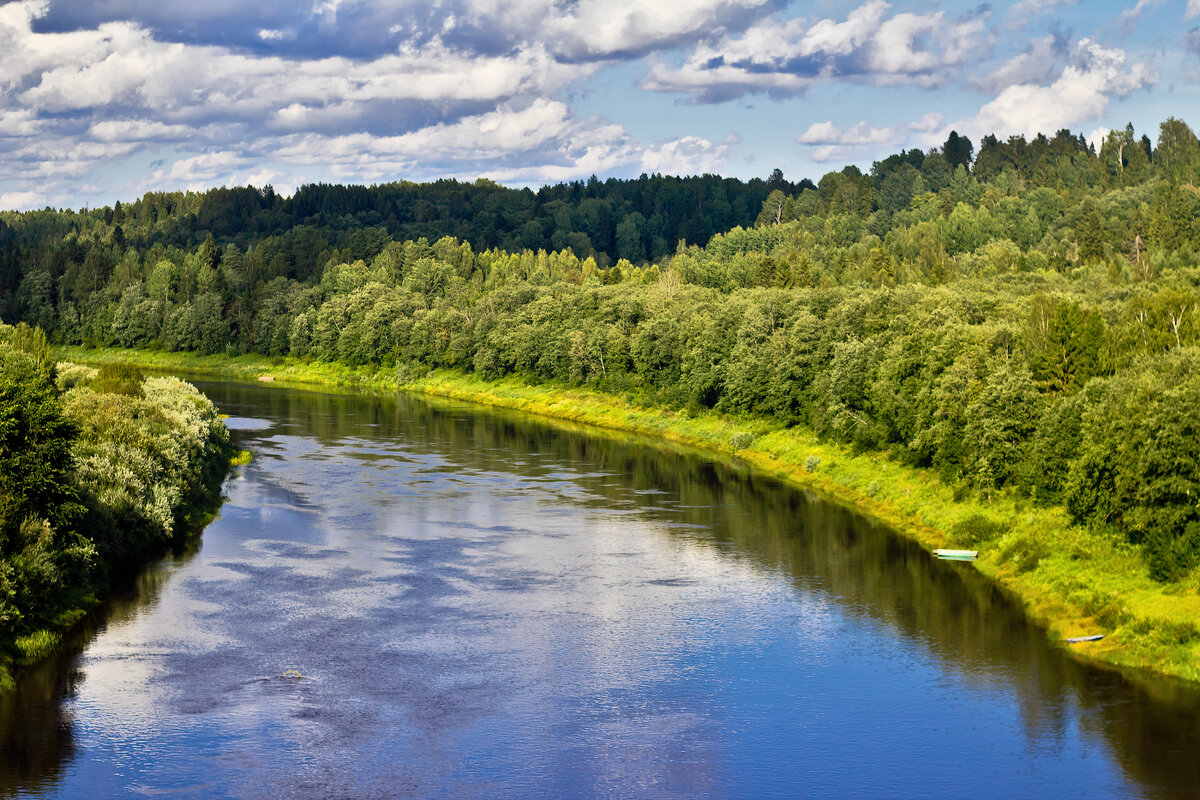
{"x":482,"y":605}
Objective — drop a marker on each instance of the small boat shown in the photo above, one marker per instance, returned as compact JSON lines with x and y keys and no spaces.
{"x":956,"y":555}
{"x":1093,"y":638}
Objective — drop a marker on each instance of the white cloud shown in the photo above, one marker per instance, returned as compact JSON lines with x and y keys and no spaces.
{"x":1081,"y":93}
{"x":128,"y":130}
{"x":591,"y":28}
{"x":827,"y":133}
{"x":22,"y":201}
{"x":543,"y":124}
{"x":933,"y":121}
{"x":19,"y":123}
{"x":1193,"y":9}
{"x":690,"y":155}
{"x":828,"y":141}
{"x":871,"y":45}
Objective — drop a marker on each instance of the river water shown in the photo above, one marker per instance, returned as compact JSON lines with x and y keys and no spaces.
{"x":482,"y":605}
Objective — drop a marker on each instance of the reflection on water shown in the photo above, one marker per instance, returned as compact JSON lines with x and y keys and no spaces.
{"x":482,"y":605}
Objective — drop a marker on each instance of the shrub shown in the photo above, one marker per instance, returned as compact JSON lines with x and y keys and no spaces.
{"x":811,"y":463}
{"x":119,"y":377}
{"x":740,"y":441}
{"x":976,"y":530}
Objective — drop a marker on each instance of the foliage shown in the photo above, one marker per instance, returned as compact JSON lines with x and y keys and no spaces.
{"x":119,"y":377}
{"x":97,"y":469}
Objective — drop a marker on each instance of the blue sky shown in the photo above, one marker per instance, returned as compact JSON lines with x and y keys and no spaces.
{"x":102,"y":100}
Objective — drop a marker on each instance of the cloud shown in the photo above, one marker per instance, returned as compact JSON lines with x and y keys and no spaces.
{"x":1020,"y":13}
{"x":690,"y":155}
{"x":1081,"y":93}
{"x":932,"y":121}
{"x":1191,"y":42}
{"x":830,"y":142}
{"x":22,"y":201}
{"x":862,"y":133}
{"x":19,"y":123}
{"x":786,"y":57}
{"x":71,"y":101}
{"x":571,"y":29}
{"x":1128,"y":18}
{"x":463,"y":88}
{"x":602,"y":28}
{"x":139,"y":130}
{"x":1193,"y":9}
{"x":1036,"y":64}
{"x":535,"y":143}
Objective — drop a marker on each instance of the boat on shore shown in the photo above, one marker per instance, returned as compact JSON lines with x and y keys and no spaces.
{"x":956,"y":555}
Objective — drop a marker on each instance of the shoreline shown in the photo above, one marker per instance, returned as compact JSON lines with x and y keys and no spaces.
{"x":1070,"y":581}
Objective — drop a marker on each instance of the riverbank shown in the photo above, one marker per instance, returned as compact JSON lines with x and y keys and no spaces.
{"x":1071,"y":580}
{"x":147,"y":458}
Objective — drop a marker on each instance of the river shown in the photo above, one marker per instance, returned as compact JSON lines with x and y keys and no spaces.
{"x":411,"y":598}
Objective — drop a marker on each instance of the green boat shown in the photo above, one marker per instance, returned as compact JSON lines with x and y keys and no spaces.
{"x":956,"y":555}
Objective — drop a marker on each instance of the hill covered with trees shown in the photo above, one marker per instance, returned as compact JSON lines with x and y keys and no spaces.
{"x":1022,"y":319}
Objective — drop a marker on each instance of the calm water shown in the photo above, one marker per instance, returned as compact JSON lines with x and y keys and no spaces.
{"x":484,"y":606}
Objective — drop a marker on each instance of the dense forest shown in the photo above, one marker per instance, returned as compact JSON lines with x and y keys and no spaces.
{"x":98,"y":469}
{"x":1020,"y":319}
{"x":295,"y":237}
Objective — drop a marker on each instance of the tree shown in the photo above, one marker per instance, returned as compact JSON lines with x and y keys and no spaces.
{"x":1123,"y":156}
{"x":630,"y":244}
{"x":776,"y":209}
{"x":958,"y":150}
{"x":1178,"y":152}
{"x":1064,"y":344}
{"x":35,"y":441}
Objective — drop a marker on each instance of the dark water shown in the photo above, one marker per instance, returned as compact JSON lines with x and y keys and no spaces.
{"x":484,"y":606}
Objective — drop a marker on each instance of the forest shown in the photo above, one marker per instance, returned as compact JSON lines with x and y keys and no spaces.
{"x":99,"y":469}
{"x":1021,"y":319}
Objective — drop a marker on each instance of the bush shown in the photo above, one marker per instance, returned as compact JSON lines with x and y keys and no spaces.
{"x":811,"y":463}
{"x":976,"y":530}
{"x":119,"y":377}
{"x":1170,"y":556}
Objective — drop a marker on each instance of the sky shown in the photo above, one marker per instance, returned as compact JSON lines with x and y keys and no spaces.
{"x":104,"y":100}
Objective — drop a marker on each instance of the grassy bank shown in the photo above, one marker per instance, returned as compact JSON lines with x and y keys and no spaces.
{"x":1071,"y":580}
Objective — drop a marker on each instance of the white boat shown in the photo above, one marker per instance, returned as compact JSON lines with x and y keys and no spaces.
{"x":956,"y":555}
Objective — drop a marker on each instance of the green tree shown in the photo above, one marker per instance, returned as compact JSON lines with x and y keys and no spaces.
{"x":1178,"y":153}
{"x":35,"y":440}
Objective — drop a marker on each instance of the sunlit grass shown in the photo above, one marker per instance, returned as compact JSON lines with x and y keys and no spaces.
{"x":36,"y":645}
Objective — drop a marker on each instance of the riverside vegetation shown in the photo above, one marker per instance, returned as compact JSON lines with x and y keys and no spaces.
{"x":1004,"y":346}
{"x":99,"y":469}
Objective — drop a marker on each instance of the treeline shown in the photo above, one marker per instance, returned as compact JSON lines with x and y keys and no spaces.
{"x":98,"y":469}
{"x":1021,"y":320}
{"x":294,"y":237}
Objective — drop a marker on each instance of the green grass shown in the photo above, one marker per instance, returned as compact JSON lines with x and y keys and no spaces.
{"x":36,"y":645}
{"x":1071,"y":580}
